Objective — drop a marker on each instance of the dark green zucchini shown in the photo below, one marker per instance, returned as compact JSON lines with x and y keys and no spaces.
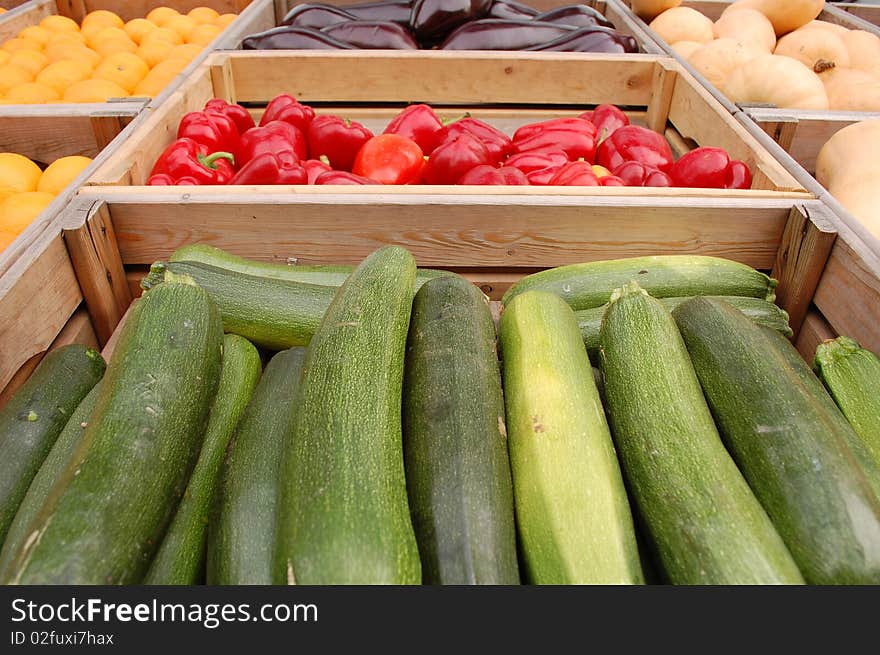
{"x":181,"y":557}
{"x":455,"y":442}
{"x":242,"y":532}
{"x":106,"y":514}
{"x":797,"y":464}
{"x":34,"y":417}
{"x":705,"y":524}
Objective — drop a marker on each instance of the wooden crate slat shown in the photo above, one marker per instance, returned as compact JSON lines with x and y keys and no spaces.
{"x":24,"y":16}
{"x":814,"y":331}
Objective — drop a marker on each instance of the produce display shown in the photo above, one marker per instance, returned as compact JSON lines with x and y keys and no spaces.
{"x":26,"y":190}
{"x":59,"y":60}
{"x":294,"y":145}
{"x":775,"y":52}
{"x":445,"y":25}
{"x":404,"y":442}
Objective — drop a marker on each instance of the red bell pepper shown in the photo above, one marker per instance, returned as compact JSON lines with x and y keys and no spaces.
{"x":421,"y":124}
{"x":455,"y":157}
{"x":575,"y":173}
{"x":390,"y":159}
{"x":486,"y":175}
{"x":272,"y":168}
{"x":611,"y":180}
{"x":576,"y":137}
{"x":497,"y":142}
{"x":187,"y":159}
{"x":338,"y":139}
{"x":239,"y":115}
{"x":607,"y":119}
{"x":635,"y":173}
{"x":274,"y":136}
{"x":290,"y":110}
{"x":710,"y":168}
{"x":342,"y":177}
{"x":163,"y":179}
{"x":314,"y":167}
{"x":217,"y":132}
{"x":539,"y":167}
{"x":635,"y":143}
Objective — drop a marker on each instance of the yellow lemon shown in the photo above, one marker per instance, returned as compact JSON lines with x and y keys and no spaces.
{"x":32,"y":61}
{"x":21,"y":43}
{"x":61,"y":172}
{"x":225,"y":19}
{"x":204,"y":34}
{"x":158,"y":78}
{"x":138,"y":28}
{"x":12,"y":75}
{"x":93,"y":90}
{"x":57,"y":23}
{"x":186,"y":51}
{"x":161,"y":15}
{"x":32,"y":93}
{"x":60,"y":75}
{"x":123,"y":68}
{"x":36,"y":33}
{"x":19,"y":173}
{"x":19,"y":211}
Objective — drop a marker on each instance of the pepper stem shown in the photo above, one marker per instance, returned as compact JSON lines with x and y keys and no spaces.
{"x":208,"y":161}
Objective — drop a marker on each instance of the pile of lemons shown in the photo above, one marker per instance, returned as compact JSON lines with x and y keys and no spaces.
{"x":105,"y":57}
{"x":25,"y":190}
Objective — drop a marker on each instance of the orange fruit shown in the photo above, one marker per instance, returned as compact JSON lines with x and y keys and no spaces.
{"x":61,"y":74}
{"x":32,"y":61}
{"x":155,"y":51}
{"x":187,"y":51}
{"x":6,"y":238}
{"x":164,"y":34}
{"x":158,"y":78}
{"x":19,"y":210}
{"x":225,"y":19}
{"x":114,"y":45}
{"x":36,"y":33}
{"x":138,"y":28}
{"x":70,"y":38}
{"x":100,"y":18}
{"x":123,"y":68}
{"x":93,"y":90}
{"x":57,"y":23}
{"x":75,"y":53}
{"x":161,"y":15}
{"x":2,"y":10}
{"x":61,"y":172}
{"x":4,"y":57}
{"x":183,"y":25}
{"x":5,"y":192}
{"x":21,"y":43}
{"x":203,"y":14}
{"x":18,"y":173}
{"x":204,"y":34}
{"x":12,"y":75}
{"x":106,"y":34}
{"x":32,"y":93}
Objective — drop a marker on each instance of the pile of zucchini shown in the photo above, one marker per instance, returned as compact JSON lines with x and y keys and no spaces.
{"x":629,"y":421}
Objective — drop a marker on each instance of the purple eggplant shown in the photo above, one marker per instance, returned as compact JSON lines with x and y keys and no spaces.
{"x":316,"y":16}
{"x":289,"y":37}
{"x":591,"y":39}
{"x":575,"y":16}
{"x":511,"y":10}
{"x":373,"y":34}
{"x":396,"y":11}
{"x":500,"y":34}
{"x":433,"y":20}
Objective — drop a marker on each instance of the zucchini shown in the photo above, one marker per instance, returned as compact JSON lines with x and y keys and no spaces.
{"x":105,"y":515}
{"x":760,"y":311}
{"x":572,"y":512}
{"x":455,"y":443}
{"x":852,"y":375}
{"x":705,"y":524}
{"x":344,"y":516}
{"x":274,"y":314}
{"x":181,"y":557}
{"x":242,"y":533}
{"x":34,"y":417}
{"x":331,"y":276}
{"x":585,"y":286}
{"x":798,"y":465}
{"x":53,"y":466}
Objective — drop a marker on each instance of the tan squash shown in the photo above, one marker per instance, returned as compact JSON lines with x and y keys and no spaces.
{"x":777,"y":80}
{"x":834,"y":28}
{"x":683,"y":24}
{"x":716,"y":61}
{"x":816,"y":49}
{"x":786,"y":15}
{"x":648,"y":10}
{"x":861,"y":196}
{"x":851,"y":90}
{"x":686,"y":48}
{"x":850,"y":151}
{"x":864,"y":50}
{"x":747,"y":26}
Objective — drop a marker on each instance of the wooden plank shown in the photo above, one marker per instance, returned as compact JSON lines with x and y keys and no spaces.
{"x":24,"y":16}
{"x":662,"y":90}
{"x":814,"y":331}
{"x":800,"y":261}
{"x":870,"y":13}
{"x":259,"y":16}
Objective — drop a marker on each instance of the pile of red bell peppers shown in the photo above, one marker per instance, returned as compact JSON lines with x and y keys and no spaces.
{"x":222,"y":145}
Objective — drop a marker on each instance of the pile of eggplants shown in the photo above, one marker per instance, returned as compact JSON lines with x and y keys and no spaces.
{"x":444,"y":25}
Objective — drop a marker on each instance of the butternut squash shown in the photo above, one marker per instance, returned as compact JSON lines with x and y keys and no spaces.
{"x":648,"y":10}
{"x":834,"y":28}
{"x":864,"y":50}
{"x":861,"y":196}
{"x":777,"y":80}
{"x":683,"y":24}
{"x":851,"y":150}
{"x":716,"y":61}
{"x":686,"y":48}
{"x":786,"y":15}
{"x":816,"y":49}
{"x":851,"y":90}
{"x":747,"y":26}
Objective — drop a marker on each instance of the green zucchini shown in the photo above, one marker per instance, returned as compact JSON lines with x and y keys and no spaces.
{"x":585,"y":286}
{"x":331,"y":276}
{"x":274,"y":314}
{"x":181,"y":557}
{"x":344,"y":516}
{"x":705,"y":524}
{"x":852,"y":375}
{"x":34,"y":417}
{"x":455,"y":443}
{"x":760,"y":311}
{"x":242,"y":533}
{"x":797,"y":464}
{"x":53,"y":466}
{"x":572,"y":512}
{"x":105,"y":515}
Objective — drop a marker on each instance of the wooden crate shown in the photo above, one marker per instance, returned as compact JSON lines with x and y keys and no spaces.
{"x":506,"y":88}
{"x":867,"y":13}
{"x":92,"y":259}
{"x":623,"y":21}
